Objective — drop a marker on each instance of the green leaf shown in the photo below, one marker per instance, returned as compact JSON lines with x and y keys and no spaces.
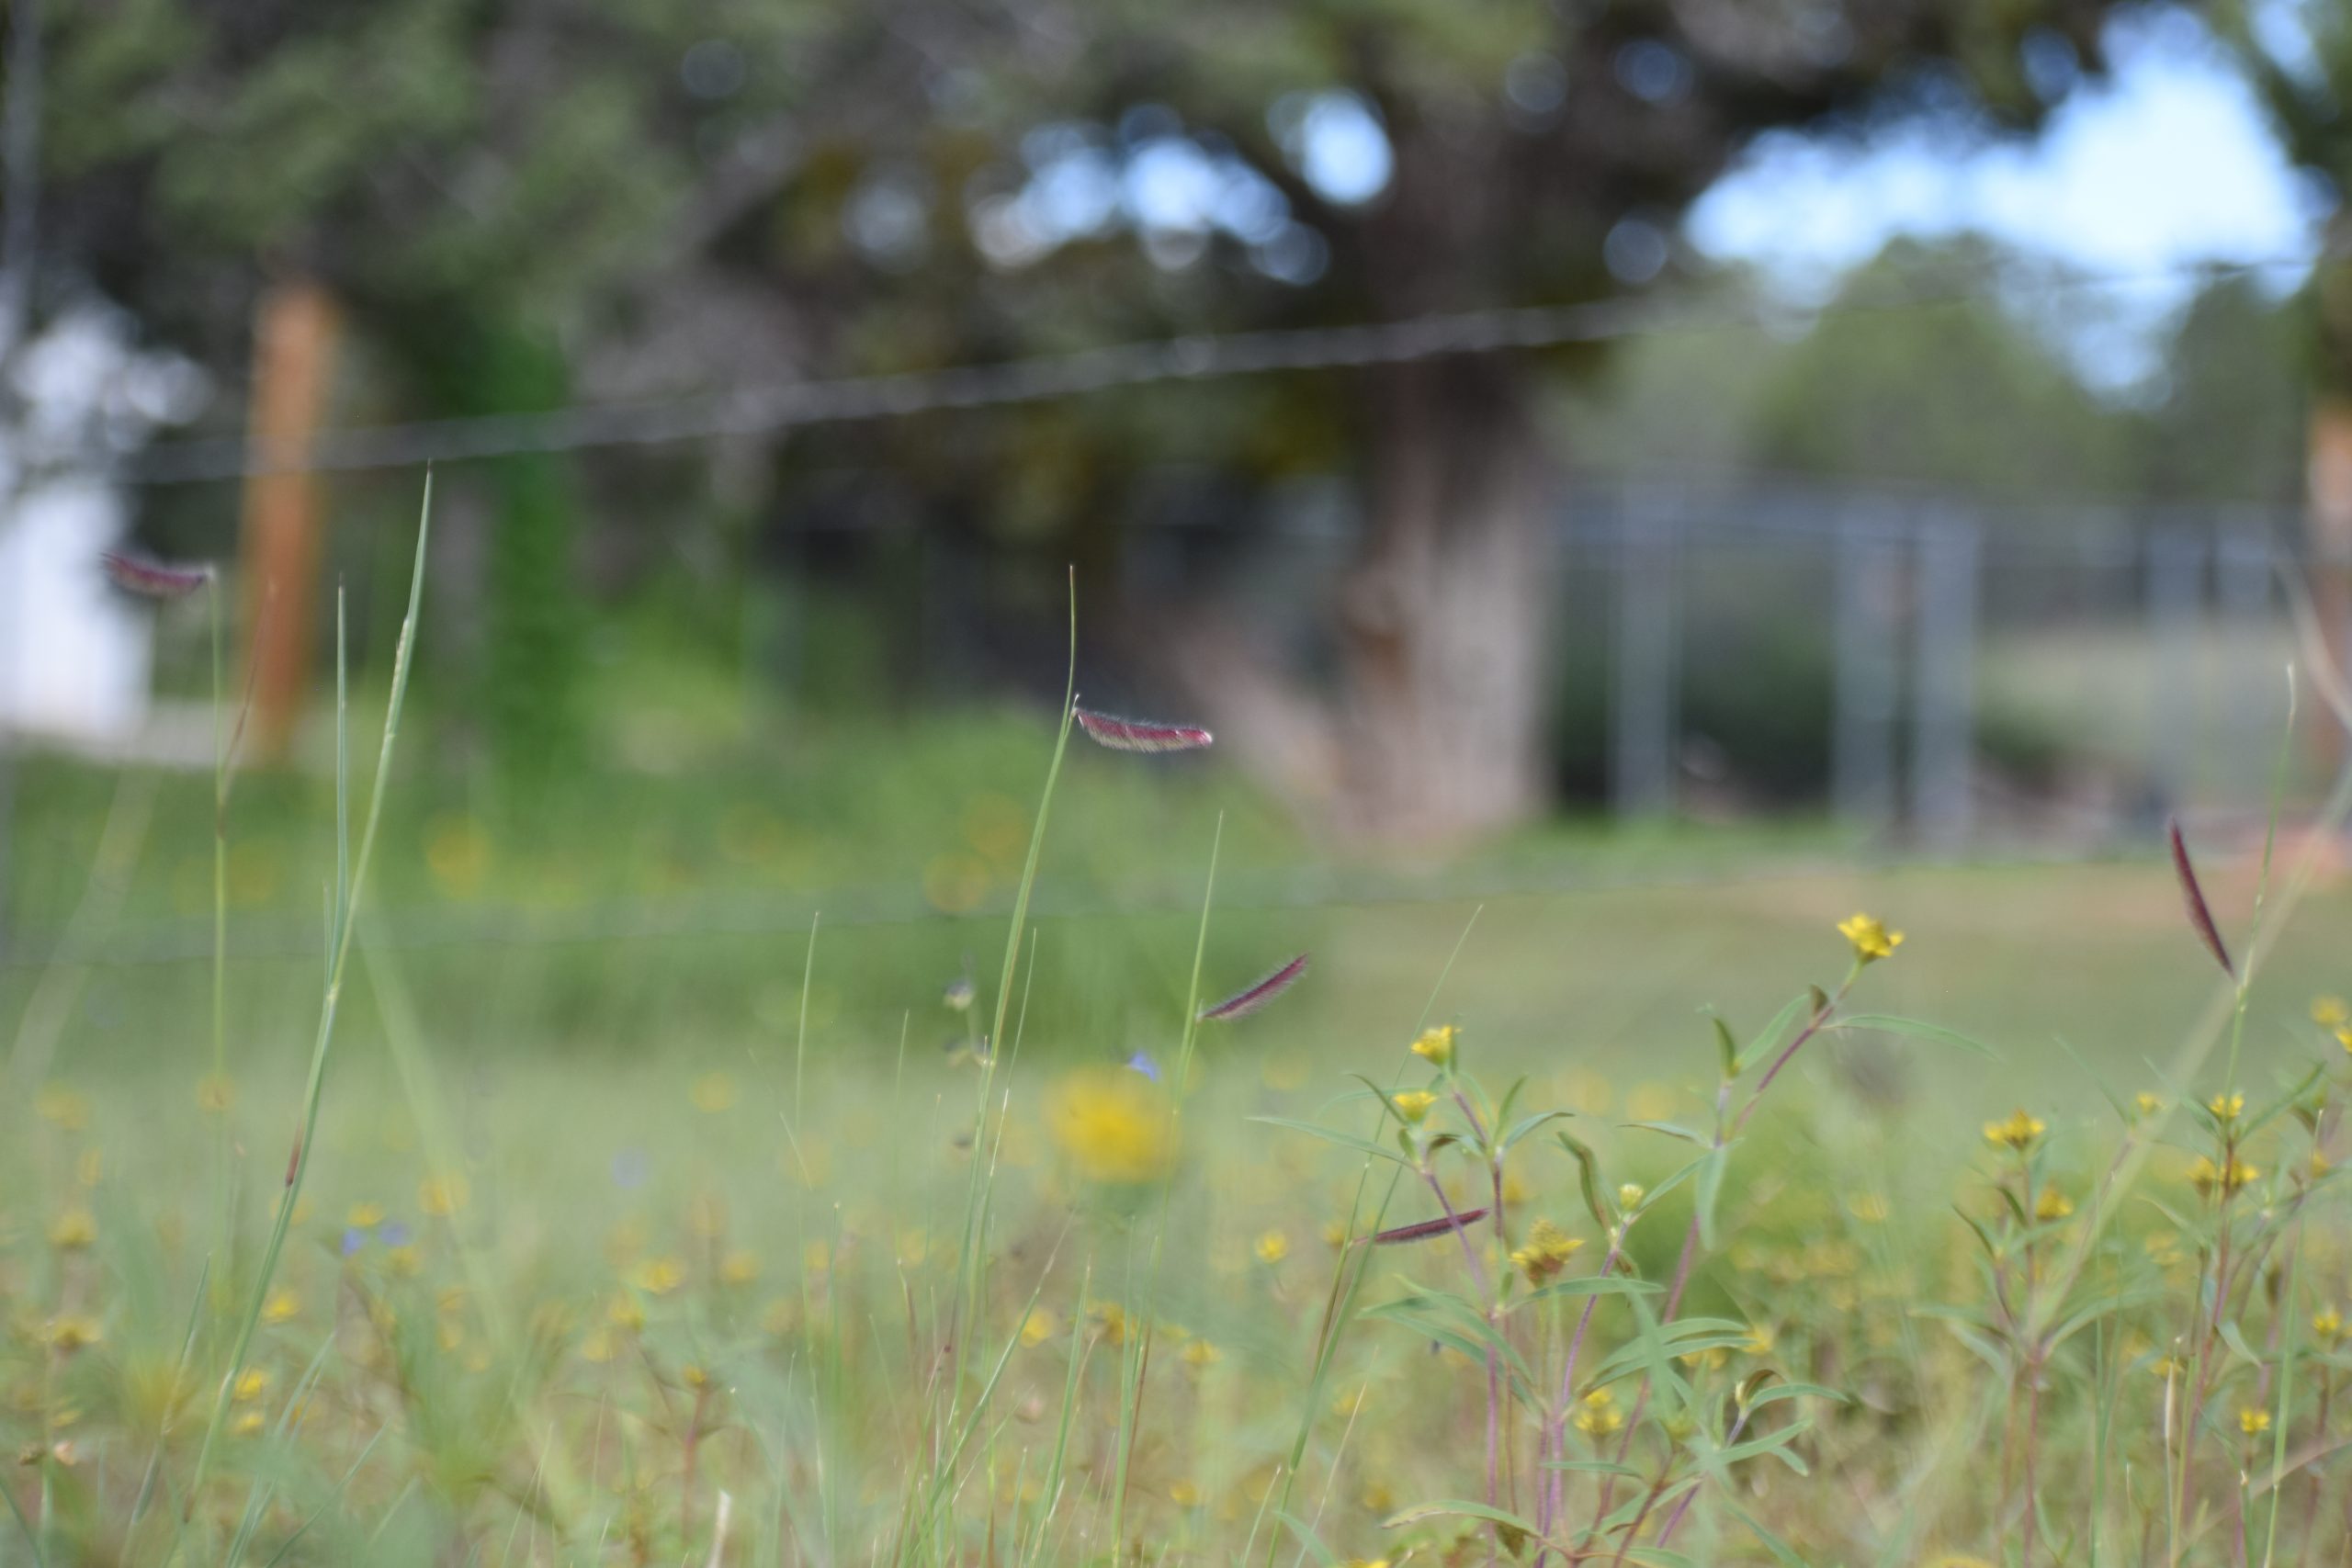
{"x":1589,"y":1177}
{"x":1781,"y":1551}
{"x":2106,"y":1090}
{"x":1773,"y":1443}
{"x":1345,"y":1140}
{"x":2266,"y":1114}
{"x":1773,"y":1030}
{"x":1308,"y":1540}
{"x":1510,"y":1098}
{"x":1792,"y":1390}
{"x":1529,"y":1125}
{"x":1472,"y":1334}
{"x":1726,"y":1048}
{"x":1934,"y":1034}
{"x":1711,"y":1185}
{"x":1597,"y":1285}
{"x":1468,"y":1510}
{"x":1659,"y":1554}
{"x":1688,"y":1134}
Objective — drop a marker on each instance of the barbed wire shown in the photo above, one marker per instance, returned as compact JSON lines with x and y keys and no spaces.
{"x":785,"y":405}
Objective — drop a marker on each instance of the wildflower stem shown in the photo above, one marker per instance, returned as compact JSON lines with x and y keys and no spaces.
{"x":1556,"y":1485}
{"x":1131,"y":1390}
{"x":1684,"y":1262}
{"x":1340,"y":1299}
{"x":323,"y":1043}
{"x":1487,"y":1305}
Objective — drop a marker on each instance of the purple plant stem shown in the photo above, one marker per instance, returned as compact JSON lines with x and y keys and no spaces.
{"x":1555,"y":1484}
{"x":1683,"y":1503}
{"x":1682,"y":1264}
{"x":1494,"y":1367}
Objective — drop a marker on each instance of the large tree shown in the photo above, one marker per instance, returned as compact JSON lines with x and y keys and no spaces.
{"x":844,"y":187}
{"x":1538,"y":154}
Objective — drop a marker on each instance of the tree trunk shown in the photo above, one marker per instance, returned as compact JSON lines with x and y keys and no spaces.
{"x":2328,"y":479}
{"x":294,"y":353}
{"x":1446,"y":620}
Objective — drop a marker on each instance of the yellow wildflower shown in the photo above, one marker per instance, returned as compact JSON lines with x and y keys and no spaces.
{"x":442,"y":1196}
{"x":62,"y":1107}
{"x":1871,"y":940}
{"x":246,"y":1423}
{"x":250,"y":1385}
{"x":713,"y":1093}
{"x":1113,"y":1124}
{"x":2205,"y":1176}
{"x":215,"y":1093}
{"x":2253,"y":1421}
{"x":659,"y":1276}
{"x":1546,"y":1252}
{"x":1630,"y":1194}
{"x":1111,"y":1320}
{"x":1436,"y":1046}
{"x":1759,"y":1341}
{"x":2226,"y":1107}
{"x":2328,"y":1324}
{"x":1200,"y":1353}
{"x":625,"y":1313}
{"x":740,"y":1267}
{"x":1038,"y":1327}
{"x":73,"y":1230}
{"x":282,"y":1307}
{"x":2330,"y":1013}
{"x":1413,"y":1104}
{"x":405,"y":1261}
{"x":364,"y":1216}
{"x":2053,"y":1205}
{"x":72,"y":1332}
{"x":2150,"y":1103}
{"x":1272,"y":1248}
{"x":2018,"y":1132}
{"x":1183,"y":1494}
{"x":1598,"y":1414}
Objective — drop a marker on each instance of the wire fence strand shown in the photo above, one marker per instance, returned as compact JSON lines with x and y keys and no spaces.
{"x":785,"y":405}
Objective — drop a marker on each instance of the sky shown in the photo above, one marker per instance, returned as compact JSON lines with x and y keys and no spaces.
{"x":2161,"y":167}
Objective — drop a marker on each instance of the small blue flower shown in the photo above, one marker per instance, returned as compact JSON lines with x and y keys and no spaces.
{"x":354,"y":1239}
{"x":1141,"y":1061}
{"x":391,"y":1233}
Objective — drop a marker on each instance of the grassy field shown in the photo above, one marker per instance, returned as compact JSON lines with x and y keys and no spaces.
{"x":664,"y":1204}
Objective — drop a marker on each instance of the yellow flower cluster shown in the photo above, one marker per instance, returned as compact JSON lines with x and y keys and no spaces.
{"x":1870,"y":936}
{"x":2205,"y":1176}
{"x":1597,"y":1416}
{"x":2018,"y":1132}
{"x":1436,"y":1046}
{"x":1545,"y":1252}
{"x":1113,"y":1126}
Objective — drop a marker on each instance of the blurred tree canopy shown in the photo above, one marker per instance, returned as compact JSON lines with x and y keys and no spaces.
{"x":659,"y":198}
